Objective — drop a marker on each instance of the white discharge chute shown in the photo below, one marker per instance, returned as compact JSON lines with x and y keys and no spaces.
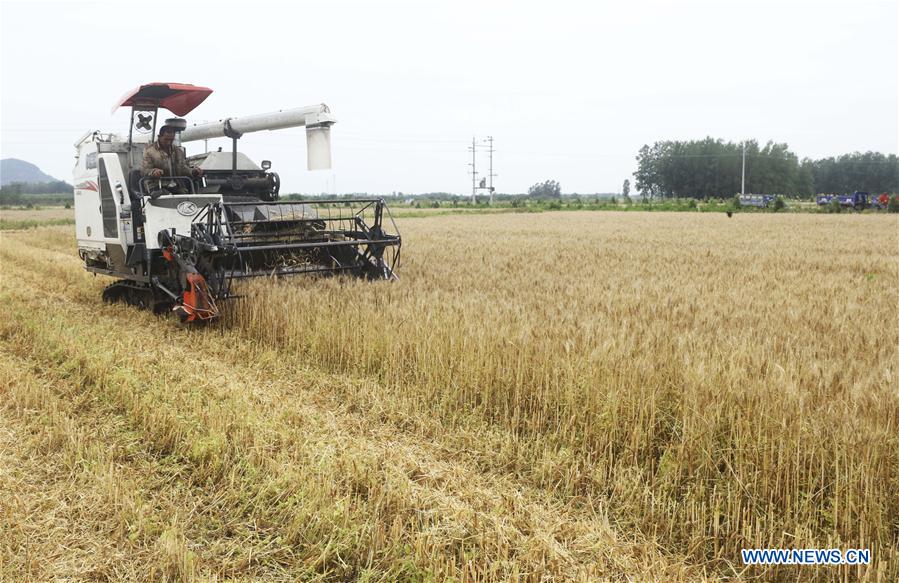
{"x":316,"y":118}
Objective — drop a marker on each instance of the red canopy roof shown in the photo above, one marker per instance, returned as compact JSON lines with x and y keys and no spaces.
{"x":179,"y":98}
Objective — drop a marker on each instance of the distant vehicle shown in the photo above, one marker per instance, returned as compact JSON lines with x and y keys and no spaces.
{"x":858,"y":200}
{"x":756,"y":200}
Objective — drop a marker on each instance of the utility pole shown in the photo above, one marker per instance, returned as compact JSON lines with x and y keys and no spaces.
{"x":490,"y":174}
{"x":743,"y":178}
{"x":474,"y":174}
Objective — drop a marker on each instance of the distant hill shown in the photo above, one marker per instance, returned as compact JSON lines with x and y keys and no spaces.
{"x":14,"y":170}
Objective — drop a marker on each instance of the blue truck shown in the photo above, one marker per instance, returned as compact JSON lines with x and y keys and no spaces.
{"x":756,"y":200}
{"x":858,"y":200}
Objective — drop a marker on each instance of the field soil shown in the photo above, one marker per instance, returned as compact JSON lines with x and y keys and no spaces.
{"x":562,"y":396}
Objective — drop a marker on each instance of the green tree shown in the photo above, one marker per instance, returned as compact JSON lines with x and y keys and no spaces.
{"x":545,"y":189}
{"x":626,"y":187}
{"x":712,"y":168}
{"x":805,"y":179}
{"x":871,"y":172}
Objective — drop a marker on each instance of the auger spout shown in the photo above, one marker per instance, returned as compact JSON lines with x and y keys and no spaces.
{"x":316,"y":118}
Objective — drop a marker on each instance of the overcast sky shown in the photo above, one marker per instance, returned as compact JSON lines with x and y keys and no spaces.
{"x":569,"y":90}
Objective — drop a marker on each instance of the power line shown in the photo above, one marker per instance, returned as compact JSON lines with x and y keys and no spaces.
{"x":484,"y":185}
{"x":474,"y":173}
{"x":490,"y":173}
{"x":743,"y":176}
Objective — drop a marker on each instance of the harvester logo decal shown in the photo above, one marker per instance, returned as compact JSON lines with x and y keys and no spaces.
{"x":88,"y":185}
{"x":187,"y":208}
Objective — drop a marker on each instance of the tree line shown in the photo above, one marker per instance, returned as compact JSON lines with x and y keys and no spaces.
{"x":871,"y":171}
{"x":713,"y":168}
{"x":52,"y":187}
{"x":23,"y":192}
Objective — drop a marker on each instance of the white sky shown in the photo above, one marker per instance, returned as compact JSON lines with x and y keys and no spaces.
{"x":569,"y":90}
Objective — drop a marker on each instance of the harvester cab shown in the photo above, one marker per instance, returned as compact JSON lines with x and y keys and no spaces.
{"x":179,"y":242}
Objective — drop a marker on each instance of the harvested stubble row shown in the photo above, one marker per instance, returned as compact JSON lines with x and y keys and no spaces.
{"x":567,"y":396}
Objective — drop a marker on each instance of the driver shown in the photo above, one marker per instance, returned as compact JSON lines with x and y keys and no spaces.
{"x":161,"y":158}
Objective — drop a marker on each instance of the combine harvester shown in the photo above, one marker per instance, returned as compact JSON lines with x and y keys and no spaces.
{"x":178,"y":243}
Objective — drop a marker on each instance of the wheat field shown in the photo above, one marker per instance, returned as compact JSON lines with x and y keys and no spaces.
{"x":564,"y":396}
